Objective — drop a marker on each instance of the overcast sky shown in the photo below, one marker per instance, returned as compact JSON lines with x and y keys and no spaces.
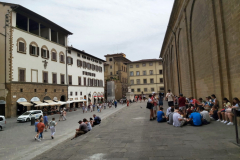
{"x":100,"y":27}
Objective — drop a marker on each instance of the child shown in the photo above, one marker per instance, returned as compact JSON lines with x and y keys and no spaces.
{"x":83,"y":109}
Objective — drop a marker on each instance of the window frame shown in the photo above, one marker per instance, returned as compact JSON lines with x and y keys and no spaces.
{"x":19,"y":74}
{"x":61,"y":78}
{"x":69,"y":80}
{"x":53,"y":78}
{"x":43,"y":76}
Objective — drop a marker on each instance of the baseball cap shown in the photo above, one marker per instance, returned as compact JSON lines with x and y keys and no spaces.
{"x":180,"y":94}
{"x":153,"y":93}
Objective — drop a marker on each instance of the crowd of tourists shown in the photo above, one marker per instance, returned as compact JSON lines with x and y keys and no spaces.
{"x":196,"y":112}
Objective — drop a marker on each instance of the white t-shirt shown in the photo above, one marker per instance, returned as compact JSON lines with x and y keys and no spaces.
{"x":149,"y":100}
{"x":205,"y":115}
{"x":169,"y":96}
{"x":176,"y":122}
{"x":168,"y":111}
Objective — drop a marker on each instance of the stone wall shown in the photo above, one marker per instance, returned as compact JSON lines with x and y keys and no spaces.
{"x":201,"y":49}
{"x":28,"y":92}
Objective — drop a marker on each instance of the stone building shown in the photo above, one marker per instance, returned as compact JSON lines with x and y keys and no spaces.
{"x":115,"y":70}
{"x":33,"y":60}
{"x":145,"y":76}
{"x":201,"y":49}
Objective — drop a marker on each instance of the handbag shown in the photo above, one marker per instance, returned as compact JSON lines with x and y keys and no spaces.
{"x":149,"y":105}
{"x":229,"y":110}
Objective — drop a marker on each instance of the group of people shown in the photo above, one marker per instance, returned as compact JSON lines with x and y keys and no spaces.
{"x":183,"y":111}
{"x":86,"y":126}
{"x":91,"y":107}
{"x":42,"y":124}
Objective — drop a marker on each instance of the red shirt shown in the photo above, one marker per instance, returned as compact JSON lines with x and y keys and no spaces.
{"x":181,"y":101}
{"x":40,"y":127}
{"x":154,"y":101}
{"x":195,"y":101}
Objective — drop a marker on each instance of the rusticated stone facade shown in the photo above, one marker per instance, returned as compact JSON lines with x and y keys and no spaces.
{"x":201,"y":49}
{"x":28,"y":91}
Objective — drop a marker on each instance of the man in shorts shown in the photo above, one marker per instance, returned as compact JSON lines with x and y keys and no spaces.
{"x":154,"y":105}
{"x":182,"y":104}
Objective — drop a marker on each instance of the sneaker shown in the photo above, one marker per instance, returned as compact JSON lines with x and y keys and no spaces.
{"x":222,"y":121}
{"x":35,"y":138}
{"x":230,"y":124}
{"x":39,"y":139}
{"x":225,"y":122}
{"x":151,"y":119}
{"x":218,"y":120}
{"x":52,"y":137}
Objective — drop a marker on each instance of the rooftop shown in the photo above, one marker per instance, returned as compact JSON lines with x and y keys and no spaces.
{"x":146,"y":60}
{"x":87,"y":54}
{"x":22,"y":10}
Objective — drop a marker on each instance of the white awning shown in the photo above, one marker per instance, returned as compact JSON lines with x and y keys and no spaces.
{"x":25,"y":104}
{"x":40,"y":104}
{"x":61,"y":102}
{"x":82,"y":100}
{"x":95,"y":97}
{"x":51,"y":103}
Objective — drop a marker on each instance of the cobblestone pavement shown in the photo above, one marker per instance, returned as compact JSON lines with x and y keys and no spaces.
{"x":17,"y":139}
{"x":129,"y":135}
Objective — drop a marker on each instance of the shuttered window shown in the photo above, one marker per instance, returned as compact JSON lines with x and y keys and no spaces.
{"x":70,"y":80}
{"x":54,"y":56}
{"x":62,"y":79}
{"x":62,"y":58}
{"x":79,"y":81}
{"x":54,"y":78}
{"x":45,"y":77}
{"x":69,"y":60}
{"x":33,"y":50}
{"x":21,"y":75}
{"x":84,"y":80}
{"x":21,"y":47}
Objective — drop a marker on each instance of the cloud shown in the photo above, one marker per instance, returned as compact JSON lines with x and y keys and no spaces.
{"x":100,"y":27}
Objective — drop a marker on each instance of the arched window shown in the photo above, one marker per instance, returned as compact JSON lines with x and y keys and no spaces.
{"x":33,"y":49}
{"x":21,"y":45}
{"x":54,"y":55}
{"x":61,"y":57}
{"x":44,"y":52}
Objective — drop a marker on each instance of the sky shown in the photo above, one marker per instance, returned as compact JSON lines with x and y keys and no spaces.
{"x":134,"y":27}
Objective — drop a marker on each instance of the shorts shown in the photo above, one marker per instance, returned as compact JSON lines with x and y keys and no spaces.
{"x":160,"y":103}
{"x":80,"y":132}
{"x":46,"y":124}
{"x":170,"y":103}
{"x":223,"y":110}
{"x":154,"y":108}
{"x":182,"y":108}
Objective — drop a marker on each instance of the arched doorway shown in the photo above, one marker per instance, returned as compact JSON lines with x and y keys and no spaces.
{"x":2,"y":107}
{"x":20,"y":108}
{"x":47,"y":98}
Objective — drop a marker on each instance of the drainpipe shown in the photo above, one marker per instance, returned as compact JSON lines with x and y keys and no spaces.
{"x":66,"y":67}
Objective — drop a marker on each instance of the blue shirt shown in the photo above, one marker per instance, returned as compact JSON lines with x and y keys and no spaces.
{"x":196,"y":118}
{"x":160,"y":114}
{"x":45,"y":119}
{"x":36,"y":129}
{"x":97,"y":120}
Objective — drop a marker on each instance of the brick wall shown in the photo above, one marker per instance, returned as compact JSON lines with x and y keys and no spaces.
{"x":208,"y":48}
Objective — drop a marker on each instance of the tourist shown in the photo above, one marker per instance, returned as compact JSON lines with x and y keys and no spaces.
{"x":170,"y":117}
{"x":160,"y":100}
{"x":81,"y":130}
{"x":215,"y":101}
{"x":86,"y":109}
{"x":222,"y":112}
{"x":236,"y":106}
{"x":61,"y":115}
{"x":127,"y":102}
{"x":89,"y":126}
{"x":97,"y":120}
{"x":36,"y":129}
{"x":208,"y":105}
{"x":150,"y":107}
{"x":160,"y":116}
{"x":91,"y":122}
{"x":45,"y":120}
{"x":83,"y":108}
{"x":40,"y":127}
{"x":53,"y":127}
{"x":91,"y":107}
{"x":205,"y":116}
{"x":170,"y":98}
{"x":64,"y":114}
{"x":195,"y":119}
{"x":182,"y":104}
{"x":154,"y":105}
{"x":94,"y":107}
{"x":213,"y":113}
{"x":115,"y":103}
{"x":178,"y":119}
